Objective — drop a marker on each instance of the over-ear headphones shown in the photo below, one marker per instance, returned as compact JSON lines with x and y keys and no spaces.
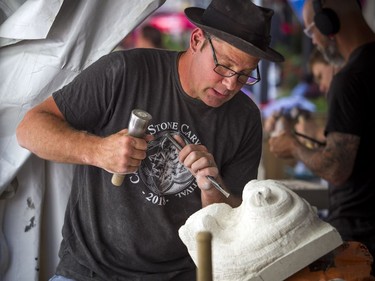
{"x":325,"y":19}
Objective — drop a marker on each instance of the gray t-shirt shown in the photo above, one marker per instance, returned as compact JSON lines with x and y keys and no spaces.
{"x":131,"y":232}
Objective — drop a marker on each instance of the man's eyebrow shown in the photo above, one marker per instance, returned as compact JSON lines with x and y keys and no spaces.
{"x":228,"y":61}
{"x":225,"y":57}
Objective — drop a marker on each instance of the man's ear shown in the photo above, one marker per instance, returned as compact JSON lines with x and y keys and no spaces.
{"x":196,"y":39}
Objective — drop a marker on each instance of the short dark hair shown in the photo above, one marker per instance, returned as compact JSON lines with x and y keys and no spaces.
{"x":153,"y":34}
{"x":315,"y":57}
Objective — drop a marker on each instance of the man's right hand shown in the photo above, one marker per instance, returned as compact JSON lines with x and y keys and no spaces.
{"x":122,"y":153}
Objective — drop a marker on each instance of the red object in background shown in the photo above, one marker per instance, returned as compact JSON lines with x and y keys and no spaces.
{"x":171,"y":22}
{"x":286,"y":28}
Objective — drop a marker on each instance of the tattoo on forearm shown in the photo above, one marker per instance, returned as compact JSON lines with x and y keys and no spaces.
{"x":334,"y":161}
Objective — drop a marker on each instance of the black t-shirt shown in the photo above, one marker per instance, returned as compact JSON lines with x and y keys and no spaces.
{"x":131,"y":232}
{"x":351,"y":102}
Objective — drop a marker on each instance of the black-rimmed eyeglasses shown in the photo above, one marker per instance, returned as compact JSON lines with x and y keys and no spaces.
{"x":309,"y":30}
{"x":227,"y":72}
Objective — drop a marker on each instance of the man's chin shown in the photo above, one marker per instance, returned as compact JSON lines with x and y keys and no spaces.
{"x":332,"y":56}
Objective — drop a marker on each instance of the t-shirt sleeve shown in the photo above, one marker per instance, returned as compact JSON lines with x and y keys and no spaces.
{"x":86,"y":102}
{"x":344,"y":101}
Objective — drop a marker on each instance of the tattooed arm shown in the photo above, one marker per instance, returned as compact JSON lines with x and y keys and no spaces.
{"x":334,"y":162}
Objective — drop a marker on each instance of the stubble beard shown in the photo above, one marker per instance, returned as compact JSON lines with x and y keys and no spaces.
{"x":331,"y":54}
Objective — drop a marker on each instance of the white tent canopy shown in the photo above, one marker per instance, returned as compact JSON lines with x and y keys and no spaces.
{"x":43,"y":45}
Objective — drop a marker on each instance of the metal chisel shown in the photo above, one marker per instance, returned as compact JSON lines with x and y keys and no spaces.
{"x":211,"y":179}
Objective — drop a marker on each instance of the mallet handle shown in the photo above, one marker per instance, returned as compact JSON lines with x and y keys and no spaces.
{"x":204,"y":270}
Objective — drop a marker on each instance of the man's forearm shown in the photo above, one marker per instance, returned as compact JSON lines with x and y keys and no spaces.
{"x":312,"y":158}
{"x":51,"y":138}
{"x":333,"y":162}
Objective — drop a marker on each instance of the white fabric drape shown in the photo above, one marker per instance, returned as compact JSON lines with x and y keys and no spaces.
{"x":44,"y":44}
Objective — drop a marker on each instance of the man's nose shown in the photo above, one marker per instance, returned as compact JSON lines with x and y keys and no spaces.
{"x":230,"y":82}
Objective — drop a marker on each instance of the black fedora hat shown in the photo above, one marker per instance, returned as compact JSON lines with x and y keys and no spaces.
{"x":240,"y":23}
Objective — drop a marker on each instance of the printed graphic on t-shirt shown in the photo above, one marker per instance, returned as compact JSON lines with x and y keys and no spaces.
{"x":161,"y":171}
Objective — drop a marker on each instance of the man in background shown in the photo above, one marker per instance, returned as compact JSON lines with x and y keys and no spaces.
{"x":346,"y":161}
{"x":148,"y":37}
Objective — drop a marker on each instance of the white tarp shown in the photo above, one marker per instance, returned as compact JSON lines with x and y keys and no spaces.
{"x":44,"y":44}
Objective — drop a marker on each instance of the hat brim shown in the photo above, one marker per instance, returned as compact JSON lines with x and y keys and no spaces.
{"x":195,"y":14}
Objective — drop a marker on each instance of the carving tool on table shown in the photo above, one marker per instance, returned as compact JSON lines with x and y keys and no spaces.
{"x":138,"y":123}
{"x":320,"y":143}
{"x":211,"y":179}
